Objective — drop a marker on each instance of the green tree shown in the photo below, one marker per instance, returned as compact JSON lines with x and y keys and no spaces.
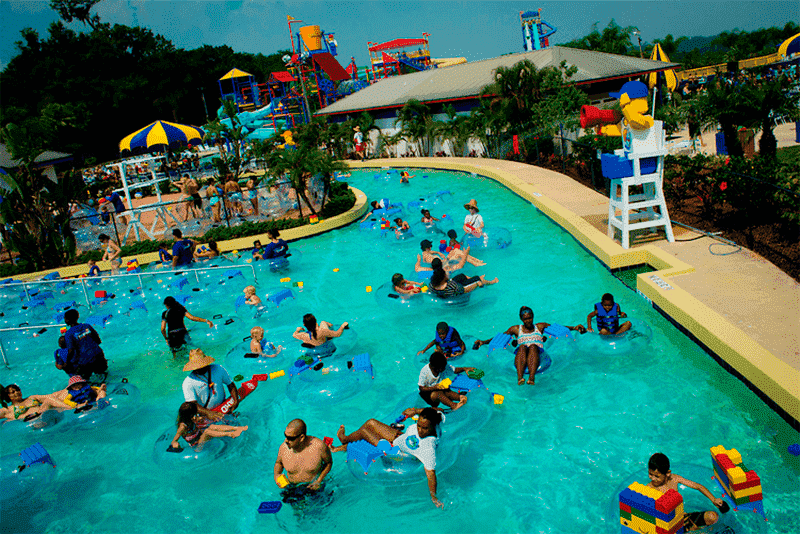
{"x":36,"y":210}
{"x":230,"y":161}
{"x":614,"y":39}
{"x":416,"y":123}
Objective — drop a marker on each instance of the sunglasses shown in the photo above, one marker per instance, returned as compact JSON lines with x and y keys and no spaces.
{"x":292,"y":438}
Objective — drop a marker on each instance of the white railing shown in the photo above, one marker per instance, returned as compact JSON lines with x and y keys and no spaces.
{"x":28,"y":327}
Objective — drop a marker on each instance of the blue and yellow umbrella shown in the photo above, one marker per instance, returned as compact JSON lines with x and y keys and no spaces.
{"x":789,"y":46}
{"x":160,"y":134}
{"x":669,"y":76}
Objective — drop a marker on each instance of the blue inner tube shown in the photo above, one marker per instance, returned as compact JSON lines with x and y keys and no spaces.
{"x":332,"y":384}
{"x":46,"y":422}
{"x":633,"y":341}
{"x":121,"y":402}
{"x":492,"y":238}
{"x":16,"y":484}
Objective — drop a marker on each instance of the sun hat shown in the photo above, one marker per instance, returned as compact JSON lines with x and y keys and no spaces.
{"x":75,"y":380}
{"x":357,"y":128}
{"x":471,"y":204}
{"x":197,"y":360}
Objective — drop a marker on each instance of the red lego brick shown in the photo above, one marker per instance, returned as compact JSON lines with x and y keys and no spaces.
{"x":748,"y":484}
{"x":667,"y":502}
{"x":724,"y":462}
{"x":624,"y":507}
{"x":756,"y":497}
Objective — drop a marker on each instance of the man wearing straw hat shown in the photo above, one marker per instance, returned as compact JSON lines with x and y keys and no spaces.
{"x":206,"y":384}
{"x":473,"y":223}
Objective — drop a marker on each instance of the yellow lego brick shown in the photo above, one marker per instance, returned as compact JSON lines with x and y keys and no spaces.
{"x":736,"y":475}
{"x":679,"y":510}
{"x":668,"y":526}
{"x":719,"y":449}
{"x":735,"y":457}
{"x":645,"y":490}
{"x":640,"y":525}
{"x":747,"y":492}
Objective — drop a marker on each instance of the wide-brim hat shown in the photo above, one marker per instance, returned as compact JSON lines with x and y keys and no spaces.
{"x":76,"y":380}
{"x":357,"y":128}
{"x":471,"y":204}
{"x":197,"y":360}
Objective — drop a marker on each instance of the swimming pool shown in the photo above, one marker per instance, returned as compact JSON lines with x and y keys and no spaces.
{"x":548,"y":460}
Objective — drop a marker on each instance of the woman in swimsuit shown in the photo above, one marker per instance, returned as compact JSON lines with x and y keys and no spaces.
{"x":529,"y":343}
{"x":112,"y":253}
{"x":27,"y":408}
{"x":212,"y":251}
{"x":315,"y":334}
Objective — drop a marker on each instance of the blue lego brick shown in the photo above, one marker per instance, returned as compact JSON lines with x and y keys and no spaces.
{"x":240,"y":300}
{"x":36,"y":454}
{"x":179,"y":283}
{"x":614,"y":166}
{"x":280,"y":296}
{"x":462,"y":383}
{"x":138,"y":304}
{"x":182,"y":299}
{"x":638,"y":501}
{"x":626,"y":530}
{"x":51,"y":276}
{"x":43,"y":295}
{"x":361,"y":362}
{"x":232,"y":273}
{"x":98,"y":320}
{"x":270,"y":507}
{"x":64,"y":306}
{"x":363,"y":452}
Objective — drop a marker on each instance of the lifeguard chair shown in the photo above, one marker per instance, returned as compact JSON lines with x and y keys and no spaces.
{"x":640,"y":163}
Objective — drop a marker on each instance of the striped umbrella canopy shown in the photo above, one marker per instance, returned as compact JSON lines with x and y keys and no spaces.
{"x":790,"y":46}
{"x":159,"y":135}
{"x":669,"y":76}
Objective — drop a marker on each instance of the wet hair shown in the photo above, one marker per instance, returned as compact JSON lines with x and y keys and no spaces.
{"x":399,"y":220}
{"x":250,"y":290}
{"x":177,"y":233}
{"x":170,"y":302}
{"x":442,"y":326}
{"x":436,"y":263}
{"x":397,"y":279}
{"x":659,"y":462}
{"x":62,"y":342}
{"x":186,"y":412}
{"x":256,"y":243}
{"x":607,"y":296}
{"x":425,"y":244}
{"x":4,"y":398}
{"x":213,"y":245}
{"x":310,"y":322}
{"x":103,"y":237}
{"x":423,"y":212}
{"x":71,"y":317}
{"x":374,"y":204}
{"x":434,"y":416}
{"x":255,"y":330}
{"x":438,"y":361}
{"x":452,"y":234}
{"x":524,"y":311}
{"x":273,"y":233}
{"x":438,"y":277}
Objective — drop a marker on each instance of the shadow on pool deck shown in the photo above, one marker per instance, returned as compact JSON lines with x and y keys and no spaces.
{"x":743,"y":288}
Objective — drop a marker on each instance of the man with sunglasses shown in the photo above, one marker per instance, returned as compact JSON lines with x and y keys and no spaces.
{"x":307,"y":461}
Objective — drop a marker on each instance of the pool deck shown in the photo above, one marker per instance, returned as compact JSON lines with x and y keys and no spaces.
{"x":740,"y":307}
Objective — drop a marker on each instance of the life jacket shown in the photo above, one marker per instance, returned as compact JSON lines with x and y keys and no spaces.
{"x":79,"y":396}
{"x":607,"y":319}
{"x":448,"y":344}
{"x":267,"y":346}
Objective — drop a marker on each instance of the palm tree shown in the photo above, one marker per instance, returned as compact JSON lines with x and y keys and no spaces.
{"x":417,"y":124}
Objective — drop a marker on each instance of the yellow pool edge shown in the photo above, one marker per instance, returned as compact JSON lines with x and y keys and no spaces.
{"x":772,"y":376}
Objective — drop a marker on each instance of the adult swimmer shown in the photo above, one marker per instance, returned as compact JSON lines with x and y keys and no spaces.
{"x":306,"y":460}
{"x":529,"y":343}
{"x":454,"y":260}
{"x":473,"y":222}
{"x":445,"y":287}
{"x":211,"y":252}
{"x":26,"y":408}
{"x":419,"y":440}
{"x":172,"y":327}
{"x":315,"y":334}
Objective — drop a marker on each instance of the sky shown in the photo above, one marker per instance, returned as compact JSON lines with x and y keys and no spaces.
{"x":472,"y":29}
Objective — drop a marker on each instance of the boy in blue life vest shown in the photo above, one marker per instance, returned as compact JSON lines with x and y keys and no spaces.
{"x":447,"y":341}
{"x":608,"y":314}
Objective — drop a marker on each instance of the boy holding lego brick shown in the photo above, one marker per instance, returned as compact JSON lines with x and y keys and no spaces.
{"x":662,"y":479}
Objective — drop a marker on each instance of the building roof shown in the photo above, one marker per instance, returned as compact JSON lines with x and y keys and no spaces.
{"x":468,"y":79}
{"x":236,"y":73}
{"x":397,"y":43}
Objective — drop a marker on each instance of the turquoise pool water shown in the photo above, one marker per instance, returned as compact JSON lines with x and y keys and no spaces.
{"x":549,"y":459}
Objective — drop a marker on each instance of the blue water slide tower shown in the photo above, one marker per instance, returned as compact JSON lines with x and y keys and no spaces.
{"x":535,"y":31}
{"x":240,"y":87}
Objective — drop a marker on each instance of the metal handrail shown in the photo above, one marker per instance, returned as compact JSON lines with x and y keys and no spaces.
{"x":3,"y":349}
{"x":83,"y":281}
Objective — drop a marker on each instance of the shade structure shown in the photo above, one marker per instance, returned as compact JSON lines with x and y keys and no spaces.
{"x":160,"y":134}
{"x":790,"y":46}
{"x":236,"y":73}
{"x":669,"y":76}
